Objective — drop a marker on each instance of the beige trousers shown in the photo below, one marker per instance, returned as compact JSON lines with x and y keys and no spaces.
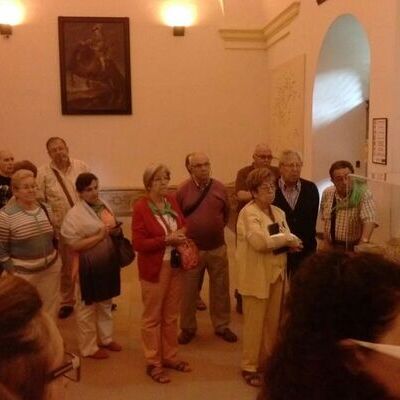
{"x":161,"y":303}
{"x":260,"y":327}
{"x":216,"y":263}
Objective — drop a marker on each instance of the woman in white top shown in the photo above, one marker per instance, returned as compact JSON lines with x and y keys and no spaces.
{"x":263,"y":237}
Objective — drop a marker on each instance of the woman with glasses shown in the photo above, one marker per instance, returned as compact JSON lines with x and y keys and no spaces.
{"x":341,"y":335}
{"x":87,"y":229}
{"x":263,"y":238}
{"x":27,"y":245}
{"x":158,"y":226}
{"x":32,"y":358}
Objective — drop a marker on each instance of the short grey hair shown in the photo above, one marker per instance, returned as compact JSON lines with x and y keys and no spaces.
{"x":287,"y":154}
{"x":150,"y":171}
{"x":18,"y":176}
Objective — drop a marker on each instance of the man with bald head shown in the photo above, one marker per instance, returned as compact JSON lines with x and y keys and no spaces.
{"x":262,"y":158}
{"x":6,"y":170}
{"x":204,"y":203}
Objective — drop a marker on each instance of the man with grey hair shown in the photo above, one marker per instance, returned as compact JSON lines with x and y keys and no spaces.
{"x":299,"y":198}
{"x":56,"y":184}
{"x":6,"y":170}
{"x":204,"y":203}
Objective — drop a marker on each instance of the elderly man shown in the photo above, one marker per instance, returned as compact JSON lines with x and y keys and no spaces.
{"x":204,"y":202}
{"x":6,"y":170}
{"x":347,"y":209}
{"x":299,"y":198}
{"x":262,"y":158}
{"x":56,"y":183}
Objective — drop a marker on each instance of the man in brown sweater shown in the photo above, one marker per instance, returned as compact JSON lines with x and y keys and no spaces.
{"x":204,"y":202}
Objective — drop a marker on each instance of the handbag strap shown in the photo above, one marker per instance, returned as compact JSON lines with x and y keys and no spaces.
{"x":164,"y":221}
{"x":43,"y":207}
{"x":192,"y":208}
{"x":62,"y":184}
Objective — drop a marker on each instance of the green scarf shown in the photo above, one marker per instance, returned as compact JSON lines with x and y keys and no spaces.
{"x":167,"y":210}
{"x":359,"y":187}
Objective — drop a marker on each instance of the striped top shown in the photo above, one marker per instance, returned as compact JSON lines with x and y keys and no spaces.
{"x":26,"y":239}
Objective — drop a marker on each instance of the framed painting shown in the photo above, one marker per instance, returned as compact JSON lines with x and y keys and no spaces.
{"x":95,"y":67}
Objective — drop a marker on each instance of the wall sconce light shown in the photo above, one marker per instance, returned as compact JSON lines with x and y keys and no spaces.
{"x":11,"y":13}
{"x":178,"y":15}
{"x":5,"y":30}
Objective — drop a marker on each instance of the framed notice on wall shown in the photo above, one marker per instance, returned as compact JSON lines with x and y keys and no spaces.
{"x":379,"y":140}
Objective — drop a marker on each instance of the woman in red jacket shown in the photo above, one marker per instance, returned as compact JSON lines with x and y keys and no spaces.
{"x":158,"y":226}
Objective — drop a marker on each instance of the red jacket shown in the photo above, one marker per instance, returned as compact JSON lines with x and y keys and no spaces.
{"x":148,"y":237}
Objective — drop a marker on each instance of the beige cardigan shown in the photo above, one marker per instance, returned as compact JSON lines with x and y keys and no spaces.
{"x":258,"y":267}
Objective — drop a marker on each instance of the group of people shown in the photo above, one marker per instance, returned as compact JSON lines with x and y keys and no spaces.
{"x":61,"y":213}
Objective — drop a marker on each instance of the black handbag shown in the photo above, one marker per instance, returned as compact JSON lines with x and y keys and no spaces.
{"x":99,"y":272}
{"x":123,"y":249}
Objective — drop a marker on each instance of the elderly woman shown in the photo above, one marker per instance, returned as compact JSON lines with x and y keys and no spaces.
{"x":263,"y":237}
{"x":27,"y":247}
{"x":158,"y":226}
{"x":32,"y":358}
{"x":87,"y":228}
{"x":341,"y":334}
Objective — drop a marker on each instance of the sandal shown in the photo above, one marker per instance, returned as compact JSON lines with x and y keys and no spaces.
{"x":181,"y":366}
{"x":157,"y":374}
{"x":252,"y":378}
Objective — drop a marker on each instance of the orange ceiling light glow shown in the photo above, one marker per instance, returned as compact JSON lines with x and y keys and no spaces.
{"x":11,"y":13}
{"x":179,"y":15}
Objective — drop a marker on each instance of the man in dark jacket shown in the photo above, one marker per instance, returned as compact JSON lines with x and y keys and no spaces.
{"x":299,"y":198}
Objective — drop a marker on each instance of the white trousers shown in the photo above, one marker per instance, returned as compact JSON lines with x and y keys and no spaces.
{"x":94,"y":322}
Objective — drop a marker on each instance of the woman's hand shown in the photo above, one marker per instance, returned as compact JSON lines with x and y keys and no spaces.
{"x":103,"y":232}
{"x":175,"y":238}
{"x":294,"y":243}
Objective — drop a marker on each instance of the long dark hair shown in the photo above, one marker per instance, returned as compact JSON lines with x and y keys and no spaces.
{"x":335,"y":296}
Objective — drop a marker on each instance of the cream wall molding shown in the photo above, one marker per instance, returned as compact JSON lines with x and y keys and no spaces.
{"x":262,"y":38}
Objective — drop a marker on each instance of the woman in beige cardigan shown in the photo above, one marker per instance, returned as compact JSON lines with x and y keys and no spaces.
{"x":263,"y":237}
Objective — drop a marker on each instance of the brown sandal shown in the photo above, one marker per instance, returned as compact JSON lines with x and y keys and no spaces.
{"x":157,"y":374}
{"x":181,"y":366}
{"x":252,"y":378}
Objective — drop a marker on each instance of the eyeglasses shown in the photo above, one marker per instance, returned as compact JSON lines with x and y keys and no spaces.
{"x":163,"y":178}
{"x":71,"y":368}
{"x":264,"y":156}
{"x":206,"y":164}
{"x":293,"y":165}
{"x":267,"y":186}
{"x":388,"y":349}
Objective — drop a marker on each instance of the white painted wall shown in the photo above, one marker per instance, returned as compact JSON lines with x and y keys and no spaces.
{"x":340,"y":90}
{"x":188,"y":94}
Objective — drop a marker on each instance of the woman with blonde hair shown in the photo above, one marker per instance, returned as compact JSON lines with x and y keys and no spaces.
{"x":158,"y":226}
{"x":27,"y":240}
{"x":263,"y":238}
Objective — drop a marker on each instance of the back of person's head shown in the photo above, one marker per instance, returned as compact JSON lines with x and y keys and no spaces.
{"x":27,"y":350}
{"x":334,"y":297}
{"x":26,"y":164}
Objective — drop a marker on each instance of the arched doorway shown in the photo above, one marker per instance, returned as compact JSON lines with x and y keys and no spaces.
{"x":340,"y":98}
